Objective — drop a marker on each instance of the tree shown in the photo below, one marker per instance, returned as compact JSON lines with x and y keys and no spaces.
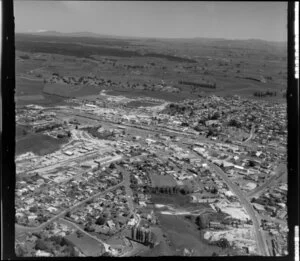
{"x":33,"y":209}
{"x":40,"y":244}
{"x":20,"y":251}
{"x":112,"y":166}
{"x":234,"y":123}
{"x":57,"y":240}
{"x":251,"y":163}
{"x":100,"y":221}
{"x":223,"y":242}
{"x":215,"y":116}
{"x":79,"y":233}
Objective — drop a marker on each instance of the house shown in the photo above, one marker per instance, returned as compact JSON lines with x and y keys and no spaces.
{"x":41,"y":253}
{"x":239,"y":167}
{"x":32,"y":218}
{"x":258,"y":207}
{"x":52,"y":209}
{"x":111,"y":224}
{"x":215,"y":224}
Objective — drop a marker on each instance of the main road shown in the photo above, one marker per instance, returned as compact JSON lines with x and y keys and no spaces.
{"x":261,"y":244}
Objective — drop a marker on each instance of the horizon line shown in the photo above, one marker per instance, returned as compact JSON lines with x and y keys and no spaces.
{"x":150,"y":37}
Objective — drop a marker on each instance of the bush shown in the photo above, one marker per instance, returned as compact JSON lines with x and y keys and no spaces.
{"x":33,"y":209}
{"x":223,"y":242}
{"x":234,"y":123}
{"x":216,"y":116}
{"x":40,"y":244}
{"x":100,"y":221}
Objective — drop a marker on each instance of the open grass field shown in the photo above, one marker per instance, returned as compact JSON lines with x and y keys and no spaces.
{"x":64,"y":90}
{"x":88,"y":246}
{"x":32,"y":92}
{"x":143,"y":93}
{"x":184,"y":234}
{"x":176,"y":200}
{"x":28,"y":87}
{"x":136,"y":104}
{"x":39,"y":144}
{"x":162,"y":180}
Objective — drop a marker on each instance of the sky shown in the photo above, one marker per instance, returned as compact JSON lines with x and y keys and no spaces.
{"x":161,"y":19}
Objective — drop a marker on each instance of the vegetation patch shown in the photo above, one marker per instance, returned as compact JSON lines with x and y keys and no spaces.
{"x":67,"y":91}
{"x":86,"y":244}
{"x":39,"y":144}
{"x":162,"y":181}
{"x":28,"y":87}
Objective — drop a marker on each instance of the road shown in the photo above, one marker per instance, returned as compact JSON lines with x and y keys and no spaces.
{"x":260,"y":238}
{"x":38,"y":228}
{"x":157,"y":129}
{"x":261,"y":244}
{"x":129,"y":193}
{"x":275,"y":220}
{"x":77,"y":159}
{"x":279,"y":172}
{"x":106,"y":246}
{"x":251,"y":134}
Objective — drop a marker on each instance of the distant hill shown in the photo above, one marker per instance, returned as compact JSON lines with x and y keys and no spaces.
{"x":246,"y":43}
{"x":77,"y":34}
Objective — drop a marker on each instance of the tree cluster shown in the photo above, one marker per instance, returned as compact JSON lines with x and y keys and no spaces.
{"x":203,"y":85}
{"x":184,"y":190}
{"x":234,"y":123}
{"x":264,"y":94}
